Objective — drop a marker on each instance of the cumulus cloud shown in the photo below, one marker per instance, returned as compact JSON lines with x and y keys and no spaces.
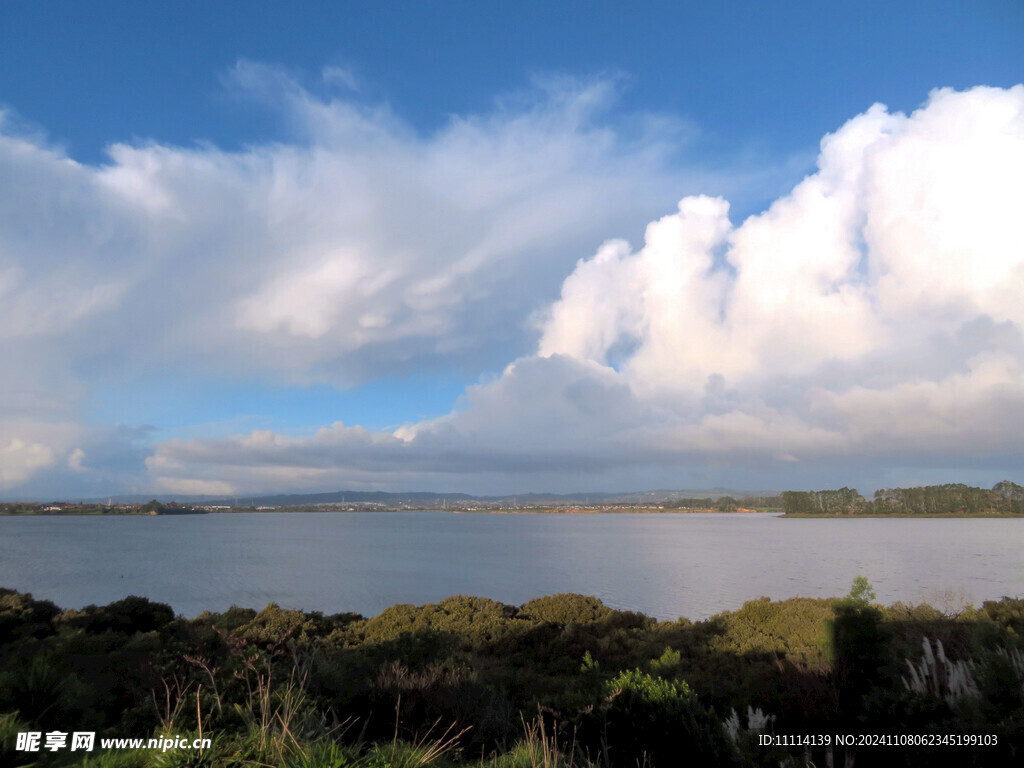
{"x":20,"y":460}
{"x":870,"y":316}
{"x":570,"y":414}
{"x":361,"y":248}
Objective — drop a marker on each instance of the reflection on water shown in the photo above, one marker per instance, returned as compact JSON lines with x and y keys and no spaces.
{"x":665,"y":565}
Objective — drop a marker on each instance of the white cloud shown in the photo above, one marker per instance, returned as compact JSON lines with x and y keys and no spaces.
{"x":871,"y":315}
{"x":361,"y":249}
{"x":19,"y":460}
{"x":76,"y":460}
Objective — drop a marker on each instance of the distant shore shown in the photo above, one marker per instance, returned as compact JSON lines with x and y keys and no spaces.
{"x":453,"y":510}
{"x":608,"y":510}
{"x":949,"y":515}
{"x":954,"y":500}
{"x":59,"y":509}
{"x":75,"y":511}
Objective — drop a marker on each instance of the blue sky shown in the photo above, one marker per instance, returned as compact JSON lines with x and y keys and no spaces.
{"x":770,"y":76}
{"x":283,"y":247}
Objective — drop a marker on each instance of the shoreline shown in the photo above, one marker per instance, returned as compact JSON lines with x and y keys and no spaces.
{"x":928,"y":516}
{"x":531,"y":511}
{"x":772,"y":512}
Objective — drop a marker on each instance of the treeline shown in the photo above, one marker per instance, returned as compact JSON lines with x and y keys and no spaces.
{"x":155,"y":507}
{"x":727,"y":503}
{"x":561,"y":681}
{"x":1005,"y":498}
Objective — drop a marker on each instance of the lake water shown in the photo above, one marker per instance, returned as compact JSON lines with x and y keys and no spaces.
{"x":665,"y":565}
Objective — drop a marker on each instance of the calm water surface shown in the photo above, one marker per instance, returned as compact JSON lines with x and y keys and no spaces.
{"x":665,"y":565}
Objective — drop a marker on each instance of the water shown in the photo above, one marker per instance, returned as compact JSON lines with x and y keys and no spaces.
{"x":665,"y":565}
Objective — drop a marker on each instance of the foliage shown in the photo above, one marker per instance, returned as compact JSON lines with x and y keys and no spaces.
{"x":561,"y":681}
{"x":646,"y":719}
{"x":668,"y":664}
{"x":565,"y":609}
{"x":861,"y":592}
{"x":857,"y":643}
{"x":21,"y":617}
{"x":128,"y":616}
{"x":845,"y":501}
{"x":1007,"y":614}
{"x":726,"y":503}
{"x":1005,"y":498}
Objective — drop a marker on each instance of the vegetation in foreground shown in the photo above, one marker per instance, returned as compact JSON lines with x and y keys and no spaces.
{"x":561,"y":681}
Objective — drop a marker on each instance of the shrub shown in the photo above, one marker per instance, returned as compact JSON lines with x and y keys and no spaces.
{"x":274,"y":625}
{"x":565,"y":608}
{"x":22,"y":617}
{"x":792,"y":628}
{"x":647,"y":718}
{"x":1007,"y":614}
{"x":474,"y":620}
{"x":126,"y":617}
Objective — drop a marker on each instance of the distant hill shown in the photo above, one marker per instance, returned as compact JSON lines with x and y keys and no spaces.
{"x":340,"y":497}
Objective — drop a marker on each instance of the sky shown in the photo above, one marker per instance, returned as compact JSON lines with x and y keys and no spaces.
{"x":500,"y":248}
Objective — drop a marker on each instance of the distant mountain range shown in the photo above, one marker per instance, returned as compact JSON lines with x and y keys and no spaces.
{"x":425,"y":498}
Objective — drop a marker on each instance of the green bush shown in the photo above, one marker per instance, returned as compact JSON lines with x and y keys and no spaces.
{"x":22,"y":617}
{"x":605,"y":684}
{"x":648,"y":720}
{"x":565,"y":608}
{"x":128,"y":616}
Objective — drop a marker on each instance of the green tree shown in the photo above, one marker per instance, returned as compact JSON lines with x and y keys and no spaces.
{"x":861,"y":592}
{"x":858,"y":644}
